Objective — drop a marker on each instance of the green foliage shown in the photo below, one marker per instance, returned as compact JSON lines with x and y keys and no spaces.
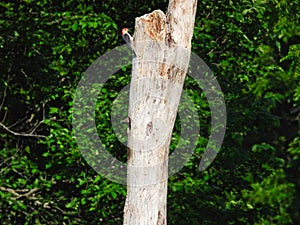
{"x":272,"y":197}
{"x":253,"y":49}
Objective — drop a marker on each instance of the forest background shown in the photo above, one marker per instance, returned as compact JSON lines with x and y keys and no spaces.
{"x":253,"y":48}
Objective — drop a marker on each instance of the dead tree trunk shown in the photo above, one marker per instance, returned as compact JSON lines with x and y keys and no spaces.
{"x":162,"y":44}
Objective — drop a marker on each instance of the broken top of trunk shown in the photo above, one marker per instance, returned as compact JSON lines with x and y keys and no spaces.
{"x":153,"y":42}
{"x":176,"y":27}
{"x":152,"y":26}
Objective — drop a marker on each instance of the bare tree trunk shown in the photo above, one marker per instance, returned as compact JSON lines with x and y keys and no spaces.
{"x":162,"y":44}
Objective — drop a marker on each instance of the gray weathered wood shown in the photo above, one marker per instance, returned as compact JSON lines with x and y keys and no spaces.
{"x":162,"y":44}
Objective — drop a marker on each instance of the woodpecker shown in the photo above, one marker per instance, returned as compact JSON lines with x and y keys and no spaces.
{"x":128,"y":39}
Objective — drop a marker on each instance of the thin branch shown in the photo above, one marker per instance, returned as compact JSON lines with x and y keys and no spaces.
{"x":16,"y":123}
{"x":22,"y":134}
{"x":57,"y":21}
{"x":29,"y":133}
{"x":12,"y":191}
{"x":29,"y":194}
{"x":22,"y":71}
{"x":4,"y":117}
{"x":42,"y":121}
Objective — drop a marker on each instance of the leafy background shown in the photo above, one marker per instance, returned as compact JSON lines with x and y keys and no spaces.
{"x":253,"y":47}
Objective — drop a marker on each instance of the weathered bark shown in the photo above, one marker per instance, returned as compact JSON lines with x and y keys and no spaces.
{"x":162,"y":44}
